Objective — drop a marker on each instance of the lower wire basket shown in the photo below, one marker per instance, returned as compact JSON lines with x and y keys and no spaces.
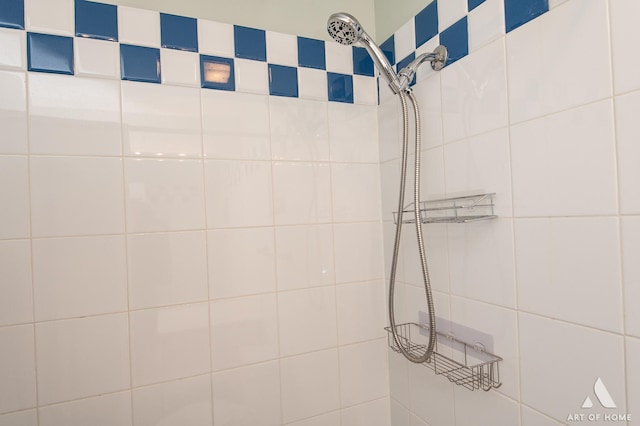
{"x":462,"y":363}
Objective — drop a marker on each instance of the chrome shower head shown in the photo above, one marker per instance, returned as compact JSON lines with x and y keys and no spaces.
{"x":346,"y":30}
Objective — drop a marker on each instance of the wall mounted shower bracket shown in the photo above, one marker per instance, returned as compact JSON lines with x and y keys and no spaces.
{"x":438,"y":59}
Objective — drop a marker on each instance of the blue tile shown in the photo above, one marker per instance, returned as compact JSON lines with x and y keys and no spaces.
{"x":140,"y":63}
{"x":50,"y":53}
{"x":389,"y":49}
{"x":96,"y":20}
{"x":456,"y":40}
{"x":311,"y":53}
{"x":519,"y":12}
{"x":283,"y":81}
{"x":12,"y":14}
{"x":403,"y":63}
{"x":362,"y":62}
{"x":217,"y":73}
{"x":179,"y":32}
{"x":250,"y":43}
{"x":474,"y":3}
{"x":340,"y":87}
{"x":426,"y":23}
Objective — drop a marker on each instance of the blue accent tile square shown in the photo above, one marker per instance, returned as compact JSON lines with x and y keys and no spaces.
{"x":426,"y":23}
{"x":12,"y":14}
{"x":140,"y":63}
{"x":362,"y":62}
{"x":311,"y":53}
{"x":283,"y":81}
{"x":96,"y":20}
{"x":389,"y":49}
{"x":519,"y":12}
{"x":50,"y":53}
{"x":340,"y":87}
{"x":250,"y":43}
{"x":403,"y":63}
{"x":474,"y":3}
{"x":217,"y":73}
{"x":179,"y":32}
{"x":456,"y":40}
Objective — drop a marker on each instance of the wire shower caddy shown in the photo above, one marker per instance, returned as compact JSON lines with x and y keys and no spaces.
{"x":465,"y":209}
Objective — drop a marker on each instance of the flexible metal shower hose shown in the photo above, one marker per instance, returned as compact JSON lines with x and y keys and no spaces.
{"x":396,"y":246}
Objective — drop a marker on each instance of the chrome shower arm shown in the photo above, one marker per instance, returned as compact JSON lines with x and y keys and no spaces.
{"x":383,"y":65}
{"x":438,"y":58}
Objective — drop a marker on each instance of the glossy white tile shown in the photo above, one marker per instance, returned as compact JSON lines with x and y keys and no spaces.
{"x":417,"y":421}
{"x":474,"y":93}
{"x":630,"y":238}
{"x":330,"y":419}
{"x":164,"y":195}
{"x":633,"y":375}
{"x":358,"y":249}
{"x":427,"y":91}
{"x":312,"y":84}
{"x":14,"y":49}
{"x":356,"y":192}
{"x":186,"y":402}
{"x":20,"y":418}
{"x":84,"y":357}
{"x":399,"y":414}
{"x":230,"y":251}
{"x":363,"y":372}
{"x":304,"y":256}
{"x":180,"y":68}
{"x":107,"y":410}
{"x":436,"y":244}
{"x":215,"y":38}
{"x":97,"y":58}
{"x":353,"y":133}
{"x":481,"y":165}
{"x":16,"y":297}
{"x":486,"y":23}
{"x":431,"y":396}
{"x":627,"y":131}
{"x":567,"y":356}
{"x":244,"y":331}
{"x":490,"y":408}
{"x":161,"y":120}
{"x":375,"y":413}
{"x":49,"y":16}
{"x":389,"y":130}
{"x":481,"y":261}
{"x":299,"y":129}
{"x":624,"y":16}
{"x":405,"y":40}
{"x":77,"y":277}
{"x":339,"y":58}
{"x":449,"y":12}
{"x":17,"y":368}
{"x":580,"y":140}
{"x":307,"y":320}
{"x":536,"y":89}
{"x":14,"y":197}
{"x":224,"y":113}
{"x":167,"y":269}
{"x":534,"y":418}
{"x":251,"y":76}
{"x":169,"y":343}
{"x":282,"y":49}
{"x":389,"y":189}
{"x":13,"y":112}
{"x":239,"y":193}
{"x":365,"y":90}
{"x":138,"y":26}
{"x":310,"y":385}
{"x":361,"y":312}
{"x":73,"y":116}
{"x":302,"y":193}
{"x":247,"y":396}
{"x":551,"y":257}
{"x":76,"y":196}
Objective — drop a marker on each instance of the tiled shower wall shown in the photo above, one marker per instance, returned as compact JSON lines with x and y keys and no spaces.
{"x":171,"y":254}
{"x":546,"y":117}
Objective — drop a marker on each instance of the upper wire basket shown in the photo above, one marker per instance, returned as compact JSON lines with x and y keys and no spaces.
{"x":451,"y":210}
{"x":462,"y":363}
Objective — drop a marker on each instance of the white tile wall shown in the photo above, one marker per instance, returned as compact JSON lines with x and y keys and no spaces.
{"x":630,"y":229}
{"x":14,"y":185}
{"x":405,"y":40}
{"x":97,"y":58}
{"x":376,"y":413}
{"x":623,"y":18}
{"x":339,"y":58}
{"x":353,"y":133}
{"x":312,"y":84}
{"x":486,"y":23}
{"x":449,"y":12}
{"x":363,"y":372}
{"x":17,"y":367}
{"x":282,"y":49}
{"x":50,"y":16}
{"x":180,"y":68}
{"x":251,"y":76}
{"x":16,"y":295}
{"x":627,"y":129}
{"x":13,"y":54}
{"x":108,"y":410}
{"x":360,"y":308}
{"x":356,"y":192}
{"x":13,"y":112}
{"x":138,"y":26}
{"x":20,"y":418}
{"x":215,"y":38}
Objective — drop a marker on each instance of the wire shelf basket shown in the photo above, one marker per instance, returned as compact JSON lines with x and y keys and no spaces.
{"x":451,"y":210}
{"x":462,"y":363}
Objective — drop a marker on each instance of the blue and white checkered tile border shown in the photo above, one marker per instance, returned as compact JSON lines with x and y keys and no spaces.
{"x":104,"y":40}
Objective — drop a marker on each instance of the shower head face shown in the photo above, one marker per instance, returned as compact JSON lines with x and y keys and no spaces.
{"x":344,"y":28}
